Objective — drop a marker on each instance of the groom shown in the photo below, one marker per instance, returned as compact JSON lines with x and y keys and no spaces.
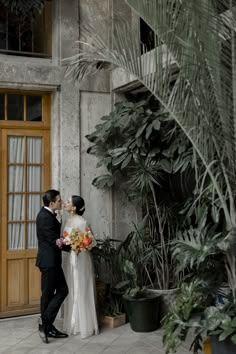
{"x":53,"y":284}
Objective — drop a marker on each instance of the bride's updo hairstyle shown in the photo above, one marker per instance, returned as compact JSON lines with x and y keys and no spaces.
{"x":78,"y":202}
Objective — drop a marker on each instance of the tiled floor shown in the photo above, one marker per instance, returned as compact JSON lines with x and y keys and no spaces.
{"x":20,"y":336}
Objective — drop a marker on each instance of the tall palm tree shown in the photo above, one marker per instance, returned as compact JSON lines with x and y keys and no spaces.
{"x":192,"y":72}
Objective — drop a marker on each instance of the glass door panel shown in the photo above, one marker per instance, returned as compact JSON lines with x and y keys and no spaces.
{"x":25,"y":177}
{"x":15,"y":236}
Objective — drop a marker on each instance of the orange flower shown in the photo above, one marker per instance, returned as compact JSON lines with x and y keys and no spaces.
{"x":86,"y":242}
{"x":78,"y":240}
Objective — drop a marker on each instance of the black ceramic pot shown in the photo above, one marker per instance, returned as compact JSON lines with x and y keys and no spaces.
{"x":222,"y":347}
{"x":143,"y":312}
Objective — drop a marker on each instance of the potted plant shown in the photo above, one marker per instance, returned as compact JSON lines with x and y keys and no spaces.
{"x":112,"y":315}
{"x":204,"y":304}
{"x":140,"y":144}
{"x":104,"y":256}
{"x":194,"y":310}
{"x":142,"y":306}
{"x":188,"y":304}
{"x":160,"y":263}
{"x":220,"y":325}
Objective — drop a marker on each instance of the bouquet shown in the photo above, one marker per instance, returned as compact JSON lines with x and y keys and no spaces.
{"x":78,"y":240}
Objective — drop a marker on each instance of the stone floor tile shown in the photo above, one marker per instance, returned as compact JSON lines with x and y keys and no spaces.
{"x":3,"y":349}
{"x":105,"y":338}
{"x":140,"y":349}
{"x":116,"y":349}
{"x":91,"y":348}
{"x":9,"y":340}
{"x":20,"y":336}
{"x":16,"y":351}
{"x":39,"y":351}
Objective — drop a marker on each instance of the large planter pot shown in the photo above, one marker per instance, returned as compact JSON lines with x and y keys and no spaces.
{"x":143,"y":313}
{"x":167,"y":297}
{"x":222,"y":347}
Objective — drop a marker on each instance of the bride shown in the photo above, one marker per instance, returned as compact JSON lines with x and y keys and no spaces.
{"x":79,"y":308}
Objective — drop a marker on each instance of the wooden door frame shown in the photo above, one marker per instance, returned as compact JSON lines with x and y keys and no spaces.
{"x":20,"y":128}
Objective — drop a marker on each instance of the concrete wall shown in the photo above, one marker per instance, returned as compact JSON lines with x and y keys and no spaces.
{"x":95,"y":102}
{"x":98,"y":202}
{"x":76,"y":109}
{"x":96,"y":15}
{"x":68,"y":122}
{"x":108,"y":211}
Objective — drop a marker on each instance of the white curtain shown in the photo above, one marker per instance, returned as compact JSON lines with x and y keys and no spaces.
{"x":33,"y":206}
{"x":16,"y":149}
{"x":22,"y":205}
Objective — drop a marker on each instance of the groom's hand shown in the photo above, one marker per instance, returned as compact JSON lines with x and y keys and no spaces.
{"x":59,"y":243}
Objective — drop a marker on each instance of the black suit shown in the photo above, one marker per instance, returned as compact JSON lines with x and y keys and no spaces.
{"x":53,"y":284}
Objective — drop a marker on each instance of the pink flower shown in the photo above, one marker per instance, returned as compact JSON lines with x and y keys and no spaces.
{"x":59,"y":242}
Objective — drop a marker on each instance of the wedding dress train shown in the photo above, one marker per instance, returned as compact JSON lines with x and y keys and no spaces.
{"x":79,"y":306}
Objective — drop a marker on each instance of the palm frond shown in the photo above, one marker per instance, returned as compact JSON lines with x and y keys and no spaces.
{"x":189,"y":71}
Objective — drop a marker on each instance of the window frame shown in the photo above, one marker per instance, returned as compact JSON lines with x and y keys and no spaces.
{"x":45,"y":17}
{"x":46,"y":111}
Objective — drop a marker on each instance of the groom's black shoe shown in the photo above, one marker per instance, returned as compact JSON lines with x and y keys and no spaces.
{"x":54,"y":333}
{"x":43,"y":333}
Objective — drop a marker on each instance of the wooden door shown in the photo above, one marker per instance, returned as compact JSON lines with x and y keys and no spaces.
{"x":25,"y":174}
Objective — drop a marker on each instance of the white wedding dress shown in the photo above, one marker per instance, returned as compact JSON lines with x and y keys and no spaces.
{"x":79,"y":306}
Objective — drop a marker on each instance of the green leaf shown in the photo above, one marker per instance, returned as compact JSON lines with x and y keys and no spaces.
{"x":103,"y":181}
{"x":149,"y":130}
{"x":92,"y":150}
{"x":181,"y":149}
{"x":140,"y":130}
{"x":126,"y":161}
{"x":215,"y":214}
{"x":117,"y":152}
{"x":233,"y":322}
{"x":122,"y":284}
{"x":117,"y":160}
{"x":154,"y":152}
{"x":226,"y":333}
{"x":99,"y":164}
{"x":156,"y":124}
{"x":139,"y":142}
{"x":166,"y":165}
{"x":129,"y":268}
{"x":178,"y":163}
{"x":233,"y":338}
{"x":128,"y":104}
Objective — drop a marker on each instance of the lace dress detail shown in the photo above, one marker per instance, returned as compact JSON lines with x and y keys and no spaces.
{"x":79,"y":306}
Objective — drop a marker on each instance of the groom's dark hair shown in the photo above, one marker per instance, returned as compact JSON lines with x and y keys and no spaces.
{"x":50,"y":196}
